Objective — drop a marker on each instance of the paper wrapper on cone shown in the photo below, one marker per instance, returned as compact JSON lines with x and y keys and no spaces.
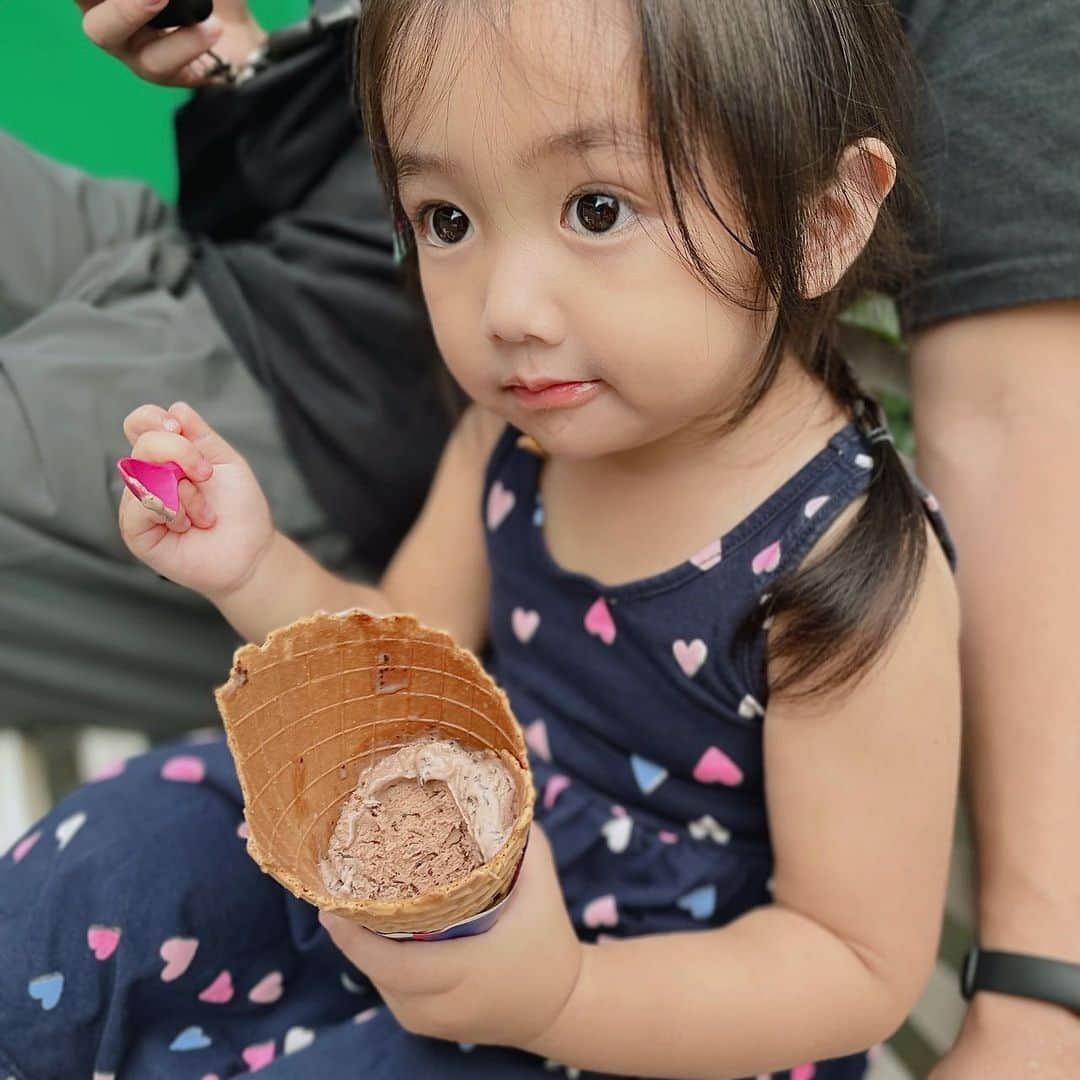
{"x":323,"y":698}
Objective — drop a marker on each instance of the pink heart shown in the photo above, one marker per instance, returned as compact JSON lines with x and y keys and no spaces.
{"x":242,"y":830}
{"x":184,"y":768}
{"x":177,"y":952}
{"x":108,"y":771}
{"x":536,"y":738}
{"x":19,"y":851}
{"x":219,"y":991}
{"x":690,"y":655}
{"x":767,"y":560}
{"x":366,"y":1015}
{"x":555,"y":787}
{"x":803,"y":1072}
{"x":524,"y":623}
{"x":598,"y":621}
{"x":715,"y":767}
{"x":668,"y":837}
{"x":103,"y":941}
{"x":499,"y":504}
{"x":708,"y":556}
{"x":601,"y":912}
{"x":267,"y":990}
{"x":259,"y":1056}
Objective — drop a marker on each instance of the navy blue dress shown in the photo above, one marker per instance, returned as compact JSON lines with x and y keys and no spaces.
{"x":139,"y":941}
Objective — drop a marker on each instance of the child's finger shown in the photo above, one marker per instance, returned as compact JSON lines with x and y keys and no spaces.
{"x":198,"y":508}
{"x":209,"y":442}
{"x":136,"y":521}
{"x":148,"y":418}
{"x":165,"y":446}
{"x":398,"y":966}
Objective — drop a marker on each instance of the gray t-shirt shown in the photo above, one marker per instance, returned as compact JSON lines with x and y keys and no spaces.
{"x":1000,"y":160}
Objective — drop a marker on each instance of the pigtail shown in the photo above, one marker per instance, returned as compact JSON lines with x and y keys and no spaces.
{"x":832,"y":618}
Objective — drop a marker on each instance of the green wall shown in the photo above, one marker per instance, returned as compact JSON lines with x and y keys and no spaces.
{"x":62,"y":95}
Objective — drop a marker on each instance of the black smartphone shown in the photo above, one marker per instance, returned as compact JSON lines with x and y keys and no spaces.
{"x":182,"y":13}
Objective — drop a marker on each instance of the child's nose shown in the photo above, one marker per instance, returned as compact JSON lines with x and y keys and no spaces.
{"x":522,"y":301}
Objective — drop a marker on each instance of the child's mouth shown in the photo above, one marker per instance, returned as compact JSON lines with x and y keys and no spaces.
{"x":555,"y":395}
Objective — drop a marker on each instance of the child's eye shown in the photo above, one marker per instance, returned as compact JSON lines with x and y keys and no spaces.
{"x":443,"y":225}
{"x":595,"y":212}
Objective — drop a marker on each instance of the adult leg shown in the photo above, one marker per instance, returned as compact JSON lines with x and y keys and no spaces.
{"x":53,"y":218}
{"x":87,"y":635}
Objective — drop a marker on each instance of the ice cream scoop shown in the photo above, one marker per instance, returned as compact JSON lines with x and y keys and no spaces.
{"x":420,"y":818}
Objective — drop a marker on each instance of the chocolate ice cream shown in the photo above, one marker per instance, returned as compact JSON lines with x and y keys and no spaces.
{"x":423,"y":817}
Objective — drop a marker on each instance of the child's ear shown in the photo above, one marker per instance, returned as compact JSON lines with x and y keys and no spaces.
{"x":844,"y":214}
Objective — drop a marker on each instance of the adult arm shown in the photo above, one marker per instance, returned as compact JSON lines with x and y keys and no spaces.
{"x":997,"y":404}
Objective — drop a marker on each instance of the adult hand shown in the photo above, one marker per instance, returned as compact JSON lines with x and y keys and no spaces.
{"x":175,"y":57}
{"x":505,"y":987}
{"x":1010,"y":1038}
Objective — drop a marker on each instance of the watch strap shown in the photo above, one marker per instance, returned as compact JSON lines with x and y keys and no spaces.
{"x":1022,"y":975}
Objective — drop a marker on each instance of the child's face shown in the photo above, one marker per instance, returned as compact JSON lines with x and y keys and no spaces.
{"x":543,"y":253}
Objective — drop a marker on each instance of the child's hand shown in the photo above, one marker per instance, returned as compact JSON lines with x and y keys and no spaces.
{"x":505,"y":987}
{"x":223,"y":527}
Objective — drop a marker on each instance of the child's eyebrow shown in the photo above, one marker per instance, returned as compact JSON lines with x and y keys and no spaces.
{"x":577,"y":141}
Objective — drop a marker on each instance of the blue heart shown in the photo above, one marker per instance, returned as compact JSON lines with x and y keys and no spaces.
{"x":648,"y":774}
{"x":538,"y":515}
{"x":47,"y":989}
{"x":191,"y":1038}
{"x":700,"y":902}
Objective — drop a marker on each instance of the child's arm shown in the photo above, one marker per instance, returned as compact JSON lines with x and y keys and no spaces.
{"x":260,"y":579}
{"x":861,"y":793}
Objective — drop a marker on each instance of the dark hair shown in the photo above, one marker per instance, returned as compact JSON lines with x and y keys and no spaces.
{"x":767,"y":95}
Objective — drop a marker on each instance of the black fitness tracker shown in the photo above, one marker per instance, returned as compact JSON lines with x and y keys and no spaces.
{"x":1021,"y":975}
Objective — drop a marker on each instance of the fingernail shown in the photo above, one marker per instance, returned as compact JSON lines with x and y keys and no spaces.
{"x":171,"y":425}
{"x":205,"y":469}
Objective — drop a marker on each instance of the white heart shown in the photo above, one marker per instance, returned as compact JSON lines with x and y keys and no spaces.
{"x":525,"y":624}
{"x":298,"y":1038}
{"x":864,"y":461}
{"x":690,"y":655}
{"x":617,"y":832}
{"x":67,"y":829}
{"x":749,"y":708}
{"x":708,"y":827}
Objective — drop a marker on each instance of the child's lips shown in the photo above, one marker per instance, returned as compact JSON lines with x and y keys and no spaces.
{"x":550,"y":394}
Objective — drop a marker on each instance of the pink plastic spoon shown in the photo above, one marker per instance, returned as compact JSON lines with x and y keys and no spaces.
{"x":155,"y":484}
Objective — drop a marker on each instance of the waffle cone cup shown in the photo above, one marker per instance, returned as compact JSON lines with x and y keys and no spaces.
{"x":305,"y":714}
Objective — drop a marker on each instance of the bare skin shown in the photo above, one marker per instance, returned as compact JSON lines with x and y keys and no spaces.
{"x":171,"y":57}
{"x":997,"y":405}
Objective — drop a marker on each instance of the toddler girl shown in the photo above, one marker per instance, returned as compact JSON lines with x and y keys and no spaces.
{"x":704,"y":577}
